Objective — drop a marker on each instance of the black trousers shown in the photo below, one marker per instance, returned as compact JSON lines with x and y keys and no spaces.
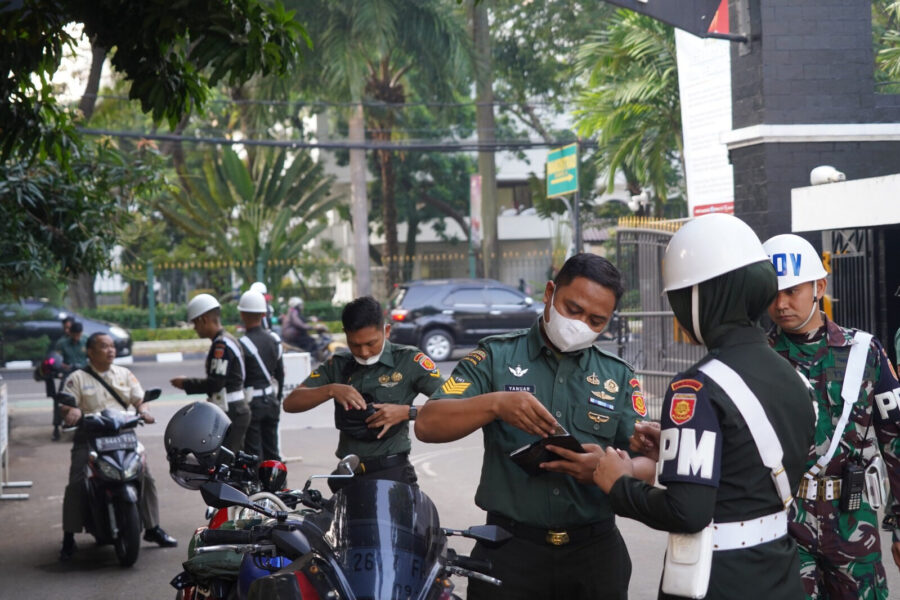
{"x":596,"y":569}
{"x":262,"y":433}
{"x":239,"y":413}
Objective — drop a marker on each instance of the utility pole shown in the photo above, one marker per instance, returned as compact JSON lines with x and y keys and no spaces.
{"x":484,"y":117}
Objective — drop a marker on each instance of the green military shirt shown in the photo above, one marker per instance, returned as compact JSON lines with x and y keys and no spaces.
{"x":73,"y":353}
{"x":402,"y":373}
{"x":591,"y":393}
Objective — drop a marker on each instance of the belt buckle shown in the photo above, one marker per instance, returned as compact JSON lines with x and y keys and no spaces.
{"x":557,"y":538}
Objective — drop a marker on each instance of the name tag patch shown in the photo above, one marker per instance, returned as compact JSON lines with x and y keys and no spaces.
{"x":519,"y":388}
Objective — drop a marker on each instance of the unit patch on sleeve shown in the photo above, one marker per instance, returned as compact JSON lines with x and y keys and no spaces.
{"x":455,"y":386}
{"x":425,"y":362}
{"x":682,"y":409}
{"x":637,"y":398}
{"x":219,"y":352}
{"x":686,"y":383}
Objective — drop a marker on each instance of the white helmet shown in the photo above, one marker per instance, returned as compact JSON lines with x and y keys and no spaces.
{"x":795,"y":260}
{"x":259,"y":286}
{"x":707,"y":247}
{"x":200,"y":305}
{"x":252,"y":302}
{"x":295,"y":301}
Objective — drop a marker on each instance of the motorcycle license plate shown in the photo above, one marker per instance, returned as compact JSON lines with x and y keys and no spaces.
{"x":123,"y":441}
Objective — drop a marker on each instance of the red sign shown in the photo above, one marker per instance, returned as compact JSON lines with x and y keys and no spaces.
{"x":721,"y":207}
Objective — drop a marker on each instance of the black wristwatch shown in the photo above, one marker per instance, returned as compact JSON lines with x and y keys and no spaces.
{"x":413,"y":413}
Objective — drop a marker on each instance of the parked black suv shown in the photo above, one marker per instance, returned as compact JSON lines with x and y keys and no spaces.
{"x":438,"y":314}
{"x":29,"y":327}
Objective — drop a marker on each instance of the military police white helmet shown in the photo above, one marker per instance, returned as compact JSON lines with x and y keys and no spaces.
{"x":200,"y":305}
{"x":795,"y":260}
{"x":295,"y":301}
{"x":259,"y":286}
{"x":252,"y":302}
{"x":707,"y":247}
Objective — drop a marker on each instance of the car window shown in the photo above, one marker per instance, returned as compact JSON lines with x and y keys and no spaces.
{"x":503,"y":296}
{"x":397,"y":297}
{"x":465,"y":297}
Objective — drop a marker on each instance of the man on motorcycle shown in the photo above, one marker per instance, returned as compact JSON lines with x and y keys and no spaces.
{"x":390,"y":375}
{"x":90,"y":396}
{"x":295,"y":331}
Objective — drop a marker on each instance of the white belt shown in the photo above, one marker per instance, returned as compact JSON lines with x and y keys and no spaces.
{"x":746,"y":534}
{"x":234,"y":396}
{"x":257,"y":393}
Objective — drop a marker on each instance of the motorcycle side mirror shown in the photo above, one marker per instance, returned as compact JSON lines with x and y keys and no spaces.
{"x":222,"y":495}
{"x":152,"y":394}
{"x":483,"y":533}
{"x":66,"y":399}
{"x":348,"y":465}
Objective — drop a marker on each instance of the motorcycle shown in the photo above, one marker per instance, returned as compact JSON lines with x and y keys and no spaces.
{"x":113,"y":477}
{"x":372,"y":539}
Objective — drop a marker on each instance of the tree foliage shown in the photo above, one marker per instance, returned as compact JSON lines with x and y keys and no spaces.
{"x":631,"y":103}
{"x":269,"y":212}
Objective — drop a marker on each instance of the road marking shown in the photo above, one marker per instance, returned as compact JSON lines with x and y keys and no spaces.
{"x":167,"y":357}
{"x":425,"y":467}
{"x":288,"y":459}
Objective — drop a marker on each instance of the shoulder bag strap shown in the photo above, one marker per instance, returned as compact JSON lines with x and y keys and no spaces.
{"x":237,"y":352}
{"x":767,"y":443}
{"x":251,"y":348}
{"x":853,"y":375}
{"x":108,"y":387}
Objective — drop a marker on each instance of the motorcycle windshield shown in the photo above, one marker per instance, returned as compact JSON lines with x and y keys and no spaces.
{"x":387,"y":537}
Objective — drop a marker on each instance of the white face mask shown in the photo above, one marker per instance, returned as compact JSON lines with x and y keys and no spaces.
{"x":568,"y":335}
{"x":372,"y":359}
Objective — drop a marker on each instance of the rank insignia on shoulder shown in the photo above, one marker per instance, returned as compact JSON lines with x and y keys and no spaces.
{"x":606,"y":405}
{"x":593,"y":379}
{"x":455,"y":386}
{"x":518,"y":371}
{"x":597,"y":417}
{"x":475,"y":356}
{"x":682,"y":409}
{"x":315,"y":374}
{"x":686,"y":383}
{"x":611,"y":386}
{"x":603,"y":395}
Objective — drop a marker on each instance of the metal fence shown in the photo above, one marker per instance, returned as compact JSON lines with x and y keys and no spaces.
{"x":649,"y":337}
{"x":853,"y":278}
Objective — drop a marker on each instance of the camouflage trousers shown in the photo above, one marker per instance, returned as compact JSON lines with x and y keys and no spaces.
{"x":840,"y":553}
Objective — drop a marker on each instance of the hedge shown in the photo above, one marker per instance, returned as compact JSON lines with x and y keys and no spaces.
{"x":173,"y":315}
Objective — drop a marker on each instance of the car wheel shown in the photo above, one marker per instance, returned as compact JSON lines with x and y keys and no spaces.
{"x":438,"y":344}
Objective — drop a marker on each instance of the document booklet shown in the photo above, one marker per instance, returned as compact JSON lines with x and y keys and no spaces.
{"x":531,"y":456}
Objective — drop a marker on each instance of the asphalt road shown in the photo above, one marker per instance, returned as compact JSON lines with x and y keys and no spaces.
{"x":448,"y":473}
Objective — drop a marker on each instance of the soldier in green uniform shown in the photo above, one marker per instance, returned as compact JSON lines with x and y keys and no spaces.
{"x":373,"y":389}
{"x":735,"y":429}
{"x":526,"y":385}
{"x":857,"y":400}
{"x":71,"y":347}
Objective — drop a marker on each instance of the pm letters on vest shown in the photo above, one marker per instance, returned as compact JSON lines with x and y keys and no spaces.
{"x":887,"y":401}
{"x":694,"y":459}
{"x":786,"y":264}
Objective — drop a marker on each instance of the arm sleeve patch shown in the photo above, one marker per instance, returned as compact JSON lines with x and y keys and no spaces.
{"x":691,"y":439}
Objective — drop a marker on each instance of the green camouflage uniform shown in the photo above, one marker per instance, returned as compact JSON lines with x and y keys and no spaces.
{"x":840,"y":552}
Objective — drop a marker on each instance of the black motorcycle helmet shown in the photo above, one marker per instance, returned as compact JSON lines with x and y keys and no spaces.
{"x":193,"y":440}
{"x":272,"y":475}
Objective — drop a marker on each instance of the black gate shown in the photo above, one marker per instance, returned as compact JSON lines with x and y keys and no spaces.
{"x":853,"y":278}
{"x":649,"y":338}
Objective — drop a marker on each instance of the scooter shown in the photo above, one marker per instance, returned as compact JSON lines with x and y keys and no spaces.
{"x":113,"y":477}
{"x":326,"y":346}
{"x":372,"y":539}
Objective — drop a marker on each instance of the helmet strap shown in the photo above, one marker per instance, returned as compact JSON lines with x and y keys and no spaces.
{"x":695,"y":312}
{"x":812,"y":311}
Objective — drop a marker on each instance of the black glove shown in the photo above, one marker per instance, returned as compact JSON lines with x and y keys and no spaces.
{"x":353,"y":422}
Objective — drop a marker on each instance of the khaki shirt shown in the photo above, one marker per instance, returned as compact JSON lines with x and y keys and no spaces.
{"x":591,"y":393}
{"x":401,"y":374}
{"x":92,"y":397}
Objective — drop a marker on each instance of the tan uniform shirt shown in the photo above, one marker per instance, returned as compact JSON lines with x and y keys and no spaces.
{"x":92,"y":397}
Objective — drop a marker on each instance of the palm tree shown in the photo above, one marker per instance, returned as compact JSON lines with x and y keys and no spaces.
{"x":369,"y":51}
{"x":632,"y":103}
{"x":269,"y":212}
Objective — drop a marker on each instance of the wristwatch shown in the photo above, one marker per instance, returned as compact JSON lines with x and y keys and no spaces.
{"x":413,"y":413}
